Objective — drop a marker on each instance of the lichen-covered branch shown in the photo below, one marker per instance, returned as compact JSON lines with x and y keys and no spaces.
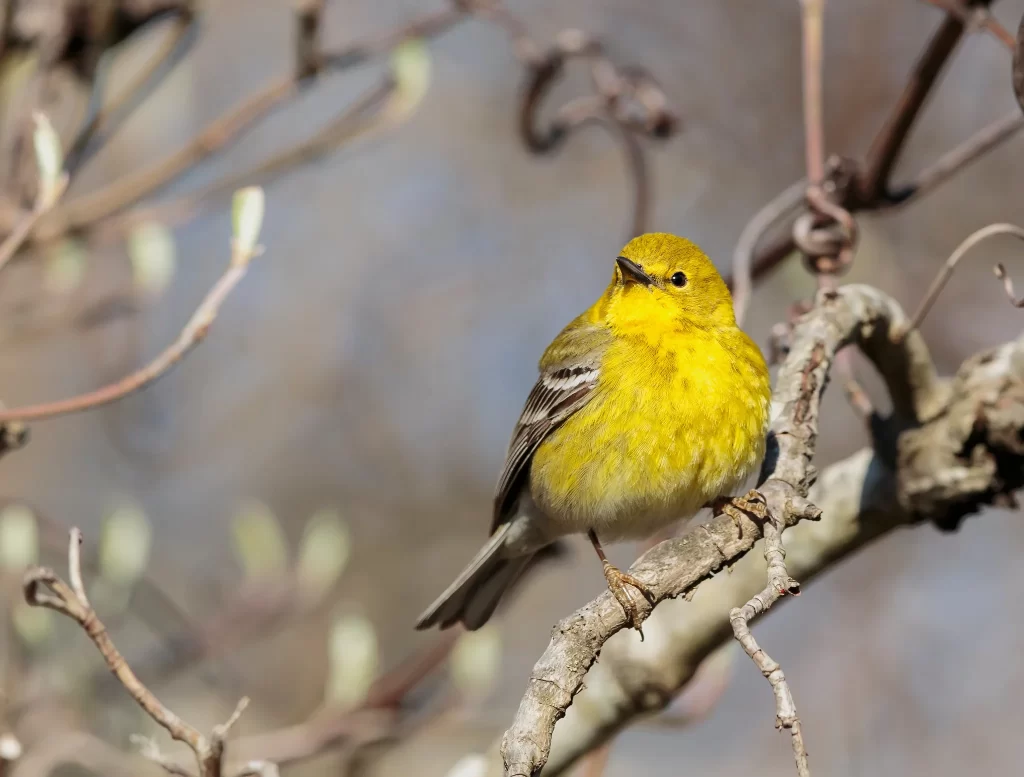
{"x":964,"y":452}
{"x":857,"y":315}
{"x":779,"y":583}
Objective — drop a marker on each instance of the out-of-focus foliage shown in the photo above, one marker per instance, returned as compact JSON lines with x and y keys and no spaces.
{"x":125,"y":545}
{"x":354,"y":659}
{"x":411,"y":68}
{"x":476,"y":661}
{"x":66,"y":262}
{"x":323,"y":553}
{"x":19,"y":537}
{"x":153,"y":256}
{"x":49,"y":156}
{"x":247,"y":219}
{"x":259,"y":541}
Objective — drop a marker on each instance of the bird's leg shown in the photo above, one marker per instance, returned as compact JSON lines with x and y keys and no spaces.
{"x":752,"y":503}
{"x":617,"y":582}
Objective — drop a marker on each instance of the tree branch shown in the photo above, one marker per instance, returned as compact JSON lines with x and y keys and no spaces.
{"x":887,"y":147}
{"x":195,"y":332}
{"x":965,"y":453}
{"x":44,"y":588}
{"x":87,"y":209}
{"x":853,"y":315}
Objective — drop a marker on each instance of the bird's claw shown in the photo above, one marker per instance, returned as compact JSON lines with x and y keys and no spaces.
{"x":617,"y":582}
{"x":752,"y":503}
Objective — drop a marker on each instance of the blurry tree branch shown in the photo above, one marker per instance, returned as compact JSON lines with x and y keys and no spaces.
{"x":44,"y":588}
{"x":53,"y":181}
{"x":948,"y":448}
{"x":378,"y":717}
{"x":103,"y":119}
{"x":86,"y":210}
{"x":195,"y":331}
{"x":947,"y":268}
{"x":76,"y":31}
{"x":380,"y":108}
{"x":627,"y":101}
{"x":848,"y":186}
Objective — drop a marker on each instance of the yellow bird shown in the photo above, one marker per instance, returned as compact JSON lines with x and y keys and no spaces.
{"x":649,"y":406}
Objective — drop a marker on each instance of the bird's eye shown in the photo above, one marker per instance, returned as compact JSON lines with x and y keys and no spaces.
{"x":678,"y":279}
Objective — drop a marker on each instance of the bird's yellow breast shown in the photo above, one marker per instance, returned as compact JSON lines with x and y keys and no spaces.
{"x":677,"y":419}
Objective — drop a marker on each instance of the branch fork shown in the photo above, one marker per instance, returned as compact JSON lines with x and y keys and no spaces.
{"x":45,"y":588}
{"x":779,"y":584}
{"x":851,"y":315}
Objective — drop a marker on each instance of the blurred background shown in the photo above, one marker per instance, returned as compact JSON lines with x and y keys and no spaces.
{"x":357,"y":391}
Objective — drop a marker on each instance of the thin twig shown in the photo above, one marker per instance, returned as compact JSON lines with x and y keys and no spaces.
{"x":885,"y":151}
{"x":45,"y":201}
{"x":627,"y":101}
{"x":44,"y":588}
{"x":946,"y":272}
{"x":870,"y":189}
{"x":857,"y":396}
{"x":596,"y":761}
{"x":94,"y":206}
{"x":742,"y":281}
{"x":309,"y":58}
{"x":636,"y":164}
{"x":812,"y":14}
{"x":976,"y":16}
{"x":329,"y":728}
{"x":350,"y":125}
{"x":779,"y":584}
{"x":107,"y":117}
{"x":954,"y":160}
{"x":195,"y":332}
{"x":75,"y":567}
{"x":1000,"y":272}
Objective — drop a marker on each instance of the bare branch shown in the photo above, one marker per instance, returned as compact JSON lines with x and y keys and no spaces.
{"x":966,"y":453}
{"x":44,"y":588}
{"x":366,"y":115}
{"x":375,"y":719}
{"x":627,"y":101}
{"x":779,"y":583}
{"x":851,"y":315}
{"x":946,"y":271}
{"x":976,"y":16}
{"x":195,"y":332}
{"x":107,"y":117}
{"x":742,"y":279}
{"x":885,"y":151}
{"x":954,"y":160}
{"x":812,"y":14}
{"x":27,"y":222}
{"x":90,"y":208}
{"x":308,"y":56}
{"x":1000,"y":273}
{"x":1018,"y":65}
{"x":75,"y":566}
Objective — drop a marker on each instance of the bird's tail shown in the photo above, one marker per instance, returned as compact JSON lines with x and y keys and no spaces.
{"x":476,"y":592}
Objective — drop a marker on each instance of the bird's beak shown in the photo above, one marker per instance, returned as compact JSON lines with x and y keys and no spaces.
{"x":632,"y":272}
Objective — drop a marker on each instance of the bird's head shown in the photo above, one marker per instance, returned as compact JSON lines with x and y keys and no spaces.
{"x":664,"y":280}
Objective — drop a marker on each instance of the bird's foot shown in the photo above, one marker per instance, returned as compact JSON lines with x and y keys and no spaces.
{"x":617,"y":582}
{"x":752,"y":503}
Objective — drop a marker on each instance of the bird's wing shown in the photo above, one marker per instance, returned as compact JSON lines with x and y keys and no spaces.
{"x":569,"y":374}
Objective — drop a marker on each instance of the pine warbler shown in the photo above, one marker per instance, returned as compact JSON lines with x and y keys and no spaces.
{"x":650,"y":406}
